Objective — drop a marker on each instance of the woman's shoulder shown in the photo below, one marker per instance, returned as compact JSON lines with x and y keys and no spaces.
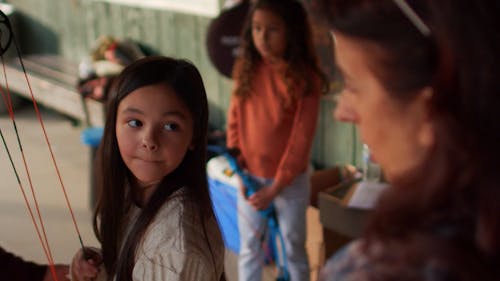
{"x":349,"y":263}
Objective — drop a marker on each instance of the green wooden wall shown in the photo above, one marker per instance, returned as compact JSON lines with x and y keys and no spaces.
{"x":70,"y":27}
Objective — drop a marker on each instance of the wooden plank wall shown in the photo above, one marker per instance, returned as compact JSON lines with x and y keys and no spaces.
{"x":70,"y":27}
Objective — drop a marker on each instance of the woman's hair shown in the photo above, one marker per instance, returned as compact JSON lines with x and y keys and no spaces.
{"x":113,"y":177}
{"x":299,"y":56}
{"x":455,"y":192}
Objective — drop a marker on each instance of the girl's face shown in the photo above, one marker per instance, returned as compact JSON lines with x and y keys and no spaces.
{"x":399,"y":135}
{"x":269,"y":35}
{"x":154,"y":129}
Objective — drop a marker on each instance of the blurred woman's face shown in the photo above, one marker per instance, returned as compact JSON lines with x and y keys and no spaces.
{"x":398,"y":134}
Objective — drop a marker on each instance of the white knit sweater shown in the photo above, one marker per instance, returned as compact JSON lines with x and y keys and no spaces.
{"x":175,"y":247}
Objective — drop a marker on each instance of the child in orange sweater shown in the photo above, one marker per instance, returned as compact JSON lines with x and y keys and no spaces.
{"x":272,"y":119}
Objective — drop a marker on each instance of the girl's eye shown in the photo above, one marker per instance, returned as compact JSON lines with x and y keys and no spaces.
{"x":171,"y":127}
{"x":134,"y":123}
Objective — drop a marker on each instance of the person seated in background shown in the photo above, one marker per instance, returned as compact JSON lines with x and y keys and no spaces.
{"x":421,"y":84}
{"x":108,"y":58}
{"x":14,"y":268}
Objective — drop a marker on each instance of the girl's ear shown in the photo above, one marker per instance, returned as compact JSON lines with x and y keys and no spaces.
{"x":426,"y":135}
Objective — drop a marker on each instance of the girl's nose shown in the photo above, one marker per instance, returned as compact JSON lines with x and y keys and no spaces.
{"x":149,"y":141}
{"x":149,"y":145}
{"x":344,"y":111}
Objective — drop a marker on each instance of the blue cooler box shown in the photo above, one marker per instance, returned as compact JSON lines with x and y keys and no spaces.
{"x":223,"y":187}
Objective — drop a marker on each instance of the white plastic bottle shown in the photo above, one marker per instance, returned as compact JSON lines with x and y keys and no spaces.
{"x":371,"y":170}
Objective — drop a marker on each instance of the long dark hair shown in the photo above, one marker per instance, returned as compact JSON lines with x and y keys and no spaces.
{"x":454,"y":195}
{"x":300,"y":57}
{"x":112,"y":175}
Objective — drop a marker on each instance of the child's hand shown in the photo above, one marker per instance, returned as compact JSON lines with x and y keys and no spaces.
{"x":261,"y":199}
{"x":85,"y":267}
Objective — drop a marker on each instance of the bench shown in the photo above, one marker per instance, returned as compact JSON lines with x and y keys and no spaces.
{"x":53,"y":80}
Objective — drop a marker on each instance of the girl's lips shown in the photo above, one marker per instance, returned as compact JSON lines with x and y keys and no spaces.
{"x":148,"y":160}
{"x":151,"y":161}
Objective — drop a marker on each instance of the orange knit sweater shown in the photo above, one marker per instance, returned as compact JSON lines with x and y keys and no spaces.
{"x":274,"y":142}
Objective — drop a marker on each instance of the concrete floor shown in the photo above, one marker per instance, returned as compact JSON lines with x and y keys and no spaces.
{"x":17,"y":232}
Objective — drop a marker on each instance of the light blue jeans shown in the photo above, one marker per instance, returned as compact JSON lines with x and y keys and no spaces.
{"x":291,"y":205}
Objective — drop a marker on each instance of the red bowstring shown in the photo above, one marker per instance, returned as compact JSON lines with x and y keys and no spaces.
{"x":43,"y":240}
{"x":49,"y":146}
{"x":9,"y":106}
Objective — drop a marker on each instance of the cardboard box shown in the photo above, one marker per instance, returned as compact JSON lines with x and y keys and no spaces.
{"x":341,"y":224}
{"x":321,"y":180}
{"x":344,"y":208}
{"x":336,"y":216}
